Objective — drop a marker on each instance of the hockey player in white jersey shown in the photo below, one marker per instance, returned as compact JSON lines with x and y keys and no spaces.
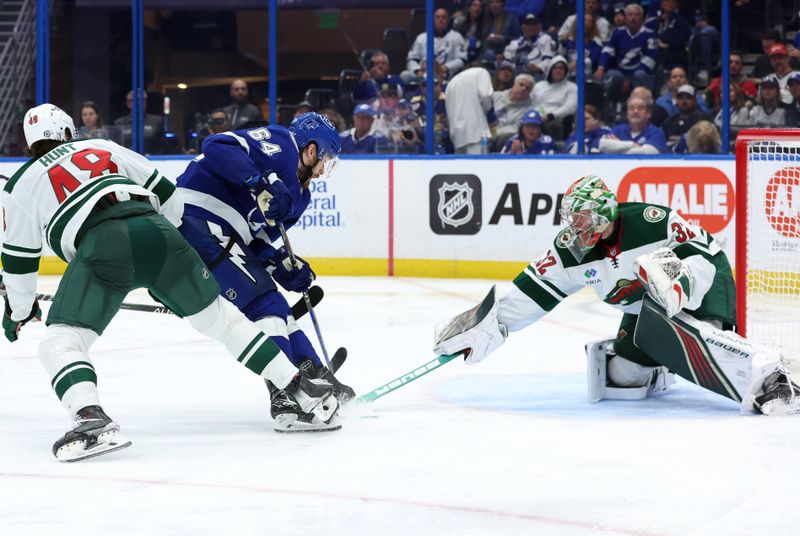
{"x":111,"y":216}
{"x":674,"y":285}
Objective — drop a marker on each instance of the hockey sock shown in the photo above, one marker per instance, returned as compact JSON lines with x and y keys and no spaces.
{"x":64,"y":352}
{"x":301,"y":346}
{"x":255,"y":348}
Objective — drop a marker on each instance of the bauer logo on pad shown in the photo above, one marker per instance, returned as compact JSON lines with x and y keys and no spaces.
{"x":455,"y":204}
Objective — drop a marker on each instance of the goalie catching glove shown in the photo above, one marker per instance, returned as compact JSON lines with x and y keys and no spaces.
{"x":272,"y":196}
{"x":666,"y":278}
{"x":475,"y":332}
{"x":297,"y":278}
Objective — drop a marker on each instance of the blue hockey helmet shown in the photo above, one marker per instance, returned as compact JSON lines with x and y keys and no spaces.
{"x":314,"y":127}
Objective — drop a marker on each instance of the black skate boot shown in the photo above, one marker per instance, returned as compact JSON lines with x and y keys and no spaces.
{"x":343,"y":393}
{"x":94,"y":433}
{"x":289,"y":417}
{"x":781,"y":396}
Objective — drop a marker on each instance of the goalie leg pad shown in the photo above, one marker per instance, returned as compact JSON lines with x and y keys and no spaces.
{"x":476,"y":331}
{"x":612,"y":377}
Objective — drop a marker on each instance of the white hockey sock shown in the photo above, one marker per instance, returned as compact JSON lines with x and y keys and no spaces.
{"x":64,"y":352}
{"x":625,"y":373}
{"x":224,"y":323}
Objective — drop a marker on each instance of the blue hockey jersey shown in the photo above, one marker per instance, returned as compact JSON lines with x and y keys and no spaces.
{"x":630,"y":53}
{"x":652,"y":135}
{"x":213,"y":188}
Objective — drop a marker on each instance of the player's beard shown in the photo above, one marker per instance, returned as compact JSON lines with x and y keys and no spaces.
{"x":305,"y":172}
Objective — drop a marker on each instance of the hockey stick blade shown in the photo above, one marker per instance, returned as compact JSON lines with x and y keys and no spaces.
{"x":338,"y":359}
{"x":407,"y":378}
{"x":315,"y":295}
{"x":298,"y":309}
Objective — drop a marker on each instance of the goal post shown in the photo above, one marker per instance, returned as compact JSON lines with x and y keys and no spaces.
{"x":768,"y":237}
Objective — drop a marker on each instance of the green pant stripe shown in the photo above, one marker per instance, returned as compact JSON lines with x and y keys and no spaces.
{"x":250,"y":346}
{"x":265,"y":353}
{"x":532,"y":288}
{"x":71,"y":365}
{"x":73,"y":377}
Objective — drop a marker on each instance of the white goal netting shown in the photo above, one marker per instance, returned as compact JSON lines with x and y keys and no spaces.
{"x":773,"y":244}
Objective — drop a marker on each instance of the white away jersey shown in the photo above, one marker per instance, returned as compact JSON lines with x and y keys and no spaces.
{"x":608,"y":267}
{"x":49,"y":198}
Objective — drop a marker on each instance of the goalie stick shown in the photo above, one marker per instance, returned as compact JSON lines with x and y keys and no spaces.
{"x":299,"y":309}
{"x":408,"y":377}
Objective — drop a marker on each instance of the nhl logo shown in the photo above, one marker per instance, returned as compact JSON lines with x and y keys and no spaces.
{"x":455,"y":204}
{"x":205,"y":273}
{"x":231,"y":294}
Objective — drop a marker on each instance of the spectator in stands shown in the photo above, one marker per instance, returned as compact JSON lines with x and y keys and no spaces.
{"x":637,"y":136}
{"x":240,"y":110}
{"x":669,"y":101}
{"x":217,"y":122}
{"x":737,"y":77}
{"x":533,"y":50}
{"x":705,"y":34}
{"x":593,"y":46}
{"x":556,"y":98}
{"x":504,"y":76}
{"x":510,"y":105}
{"x":793,"y":109}
{"x":763,"y":65}
{"x":657,"y":114}
{"x":771,"y":112}
{"x":520,"y":8}
{"x":442,"y":144}
{"x":472,"y":29}
{"x":619,"y":16}
{"x":448,"y":46}
{"x":632,"y":53}
{"x":594,"y":129}
{"x":688,"y":114}
{"x":673,"y":31}
{"x":591,"y":7}
{"x":376,"y":73}
{"x":529,"y":139}
{"x":739,"y":111}
{"x":779,"y":58}
{"x":702,"y":138}
{"x":335,"y":118}
{"x":470,"y":110}
{"x":303,"y":107}
{"x":389,"y":110}
{"x":501,"y":27}
{"x":153,"y":126}
{"x":361,"y":139}
{"x":91,"y":122}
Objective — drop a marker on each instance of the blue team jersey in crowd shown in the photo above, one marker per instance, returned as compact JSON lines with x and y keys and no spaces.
{"x":543,"y":145}
{"x":591,"y":141}
{"x":652,"y":135}
{"x":630,"y":53}
{"x":366,"y":145}
{"x":213,"y":186}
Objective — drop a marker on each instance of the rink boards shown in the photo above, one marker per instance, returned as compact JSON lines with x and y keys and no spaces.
{"x":480,"y":217}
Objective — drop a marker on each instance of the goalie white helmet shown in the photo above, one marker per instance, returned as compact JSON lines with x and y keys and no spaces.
{"x":47,"y":122}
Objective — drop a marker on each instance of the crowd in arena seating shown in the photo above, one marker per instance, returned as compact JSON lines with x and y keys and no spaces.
{"x":504,"y":82}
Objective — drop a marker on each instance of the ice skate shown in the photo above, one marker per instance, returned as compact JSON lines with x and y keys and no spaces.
{"x":781,"y":396}
{"x":94,"y":433}
{"x":343,"y":393}
{"x":289,"y":416}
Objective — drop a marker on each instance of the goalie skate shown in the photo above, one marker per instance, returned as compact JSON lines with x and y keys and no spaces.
{"x":781,"y":396}
{"x":94,"y":434}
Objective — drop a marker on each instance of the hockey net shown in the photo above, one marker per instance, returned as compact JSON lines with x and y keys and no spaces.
{"x":768,"y":238}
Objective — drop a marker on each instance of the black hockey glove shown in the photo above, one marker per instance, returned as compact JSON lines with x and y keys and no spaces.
{"x":11,"y":327}
{"x":293,"y":279}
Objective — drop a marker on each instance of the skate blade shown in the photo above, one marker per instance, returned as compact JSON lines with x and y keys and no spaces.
{"x":289,"y":424}
{"x":107,"y":442}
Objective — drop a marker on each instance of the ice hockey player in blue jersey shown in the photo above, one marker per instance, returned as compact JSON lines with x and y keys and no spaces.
{"x":236,"y":193}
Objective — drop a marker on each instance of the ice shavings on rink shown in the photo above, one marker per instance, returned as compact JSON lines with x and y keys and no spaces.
{"x":507,"y":447}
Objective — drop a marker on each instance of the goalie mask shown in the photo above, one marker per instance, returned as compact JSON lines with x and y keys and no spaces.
{"x":47,"y":122}
{"x":587,"y":210}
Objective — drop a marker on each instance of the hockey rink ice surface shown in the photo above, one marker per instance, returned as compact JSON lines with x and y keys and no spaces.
{"x":510,"y":446}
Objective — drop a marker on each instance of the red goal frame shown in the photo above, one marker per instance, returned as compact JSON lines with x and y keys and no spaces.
{"x":742,"y":139}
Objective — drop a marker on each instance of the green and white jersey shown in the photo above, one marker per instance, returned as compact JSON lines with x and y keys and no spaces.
{"x":608,"y":267}
{"x":49,"y":198}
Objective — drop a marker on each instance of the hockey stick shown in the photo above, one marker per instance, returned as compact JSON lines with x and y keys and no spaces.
{"x":315,"y":295}
{"x":406,"y":378}
{"x":293,"y":259}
